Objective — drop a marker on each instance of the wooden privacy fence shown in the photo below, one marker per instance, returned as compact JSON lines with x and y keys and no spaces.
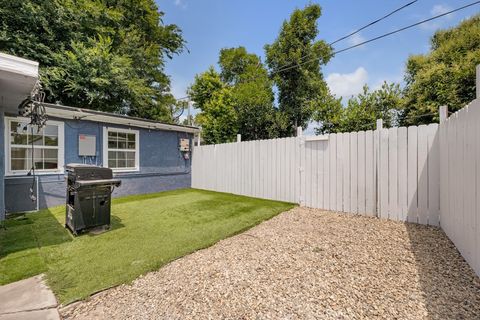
{"x":460,"y":181}
{"x":389,"y":173}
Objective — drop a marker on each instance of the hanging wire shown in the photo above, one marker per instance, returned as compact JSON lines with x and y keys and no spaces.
{"x":33,"y":108}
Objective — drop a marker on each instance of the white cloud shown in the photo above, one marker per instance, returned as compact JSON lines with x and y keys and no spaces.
{"x":356,"y":39}
{"x":180,"y":3}
{"x":347,"y":84}
{"x":435,"y":11}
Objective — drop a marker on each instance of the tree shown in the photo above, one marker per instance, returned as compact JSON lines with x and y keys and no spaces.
{"x":203,"y":88}
{"x":301,"y":87}
{"x":245,"y":88}
{"x":363,"y":110}
{"x":103,"y":55}
{"x":445,"y":75}
{"x":218,"y":118}
{"x":252,"y":92}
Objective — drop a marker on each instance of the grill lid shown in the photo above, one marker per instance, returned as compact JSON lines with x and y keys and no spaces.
{"x":79,"y":171}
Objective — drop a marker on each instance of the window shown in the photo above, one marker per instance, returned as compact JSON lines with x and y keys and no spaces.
{"x":121,"y":149}
{"x":47,"y":152}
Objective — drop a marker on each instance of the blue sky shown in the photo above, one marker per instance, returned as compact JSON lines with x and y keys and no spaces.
{"x":210,"y":25}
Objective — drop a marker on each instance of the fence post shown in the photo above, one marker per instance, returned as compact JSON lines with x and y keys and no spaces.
{"x":299,"y":131}
{"x":199,"y":138}
{"x":477,"y":82}
{"x":379,"y":124}
{"x":301,"y":169}
{"x":239,"y":137}
{"x":443,"y":113}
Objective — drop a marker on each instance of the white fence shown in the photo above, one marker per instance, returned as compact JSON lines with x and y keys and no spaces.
{"x":460,"y":181}
{"x":425,"y":174}
{"x":390,"y":173}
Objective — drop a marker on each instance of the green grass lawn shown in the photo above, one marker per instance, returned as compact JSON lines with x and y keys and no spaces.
{"x":147,"y":232}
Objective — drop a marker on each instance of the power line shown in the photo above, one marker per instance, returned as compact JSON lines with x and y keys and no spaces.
{"x":382,"y":36}
{"x":373,"y":22}
{"x":373,"y":39}
{"x":356,"y":31}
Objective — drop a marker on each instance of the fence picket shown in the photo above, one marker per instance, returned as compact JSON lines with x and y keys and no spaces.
{"x":393,"y":173}
{"x":333,"y":171}
{"x":370,"y":175}
{"x":402,"y":174}
{"x":412,"y":182}
{"x":433,"y":176}
{"x":361,"y":181}
{"x":383,"y":174}
{"x":354,"y":172}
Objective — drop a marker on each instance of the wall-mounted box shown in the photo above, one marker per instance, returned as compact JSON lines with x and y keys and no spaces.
{"x":184,"y":145}
{"x":87,"y":145}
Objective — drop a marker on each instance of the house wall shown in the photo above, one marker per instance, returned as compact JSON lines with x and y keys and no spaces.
{"x":2,"y":166}
{"x":162,"y":167}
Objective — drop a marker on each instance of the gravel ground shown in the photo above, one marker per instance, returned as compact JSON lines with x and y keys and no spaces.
{"x":307,"y":264}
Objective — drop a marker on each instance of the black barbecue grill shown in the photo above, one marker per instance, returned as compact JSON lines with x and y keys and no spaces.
{"x":89,"y":192}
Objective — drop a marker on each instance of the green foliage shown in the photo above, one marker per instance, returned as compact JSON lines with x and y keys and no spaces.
{"x":239,"y":99}
{"x":445,"y":75}
{"x":214,"y":99}
{"x":219,"y":119}
{"x":178,"y":222}
{"x":363,"y":110}
{"x":301,"y":88}
{"x":204,"y":86}
{"x":252,"y":92}
{"x":103,"y":55}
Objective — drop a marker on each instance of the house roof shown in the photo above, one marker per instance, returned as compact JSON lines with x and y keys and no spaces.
{"x":65,"y":112}
{"x":17,"y":78}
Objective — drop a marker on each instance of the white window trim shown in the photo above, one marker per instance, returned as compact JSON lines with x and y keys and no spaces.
{"x":137,"y":149}
{"x":8,"y":149}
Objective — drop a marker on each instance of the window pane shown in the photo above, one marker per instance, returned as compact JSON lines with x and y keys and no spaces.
{"x":21,"y":164}
{"x":112,"y":155}
{"x":37,"y":154}
{"x":121,"y":155}
{"x":112,"y":163}
{"x":39,"y":164}
{"x":131,"y":163}
{"x":112,"y":144}
{"x":50,"y":164}
{"x":131,"y":137}
{"x":50,"y":130}
{"x":131,"y":144}
{"x":37,"y":140}
{"x":19,"y":139}
{"x":50,"y":153}
{"x":19,"y":153}
{"x":131,"y":155}
{"x":122,"y":163}
{"x":122,"y":140}
{"x":51,"y":141}
{"x":112,"y":140}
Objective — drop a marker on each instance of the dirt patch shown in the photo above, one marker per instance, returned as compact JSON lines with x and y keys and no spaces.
{"x":309,"y":264}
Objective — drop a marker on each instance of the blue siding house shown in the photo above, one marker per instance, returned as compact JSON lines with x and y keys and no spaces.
{"x":148,"y":156}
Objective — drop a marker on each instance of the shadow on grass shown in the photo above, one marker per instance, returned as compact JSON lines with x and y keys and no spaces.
{"x":23,"y":232}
